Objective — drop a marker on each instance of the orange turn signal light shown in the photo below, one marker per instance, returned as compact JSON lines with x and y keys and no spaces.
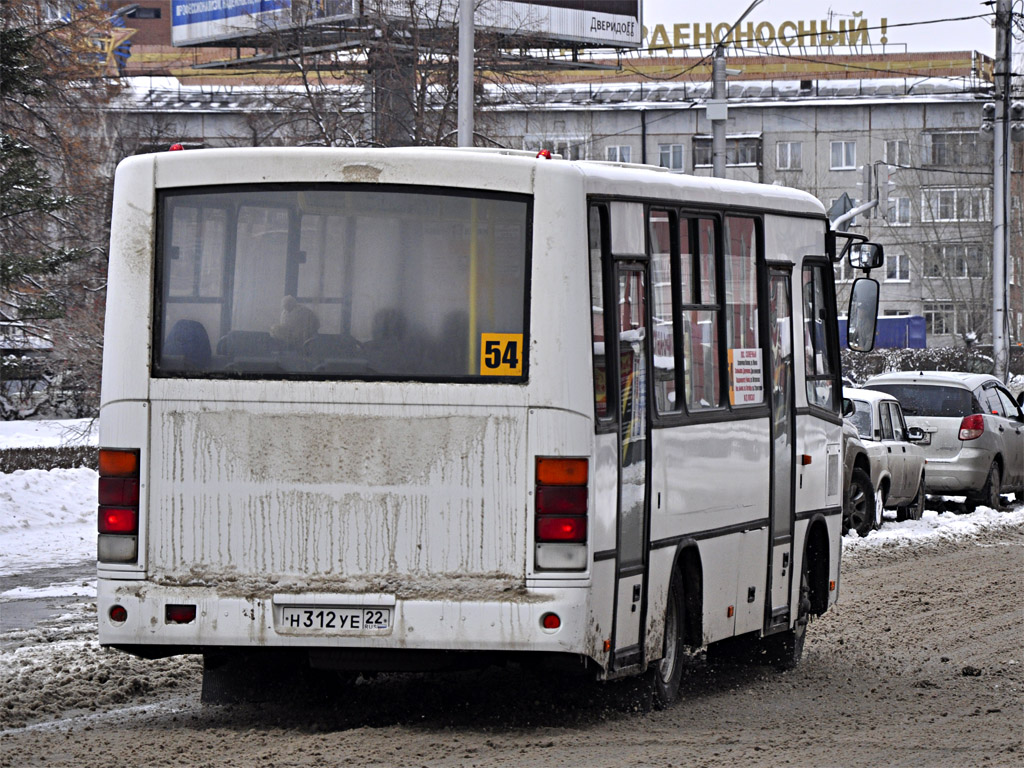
{"x":552,"y":471}
{"x":118,"y":463}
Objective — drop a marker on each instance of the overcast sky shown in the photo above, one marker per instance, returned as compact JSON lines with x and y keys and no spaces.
{"x":972,"y":34}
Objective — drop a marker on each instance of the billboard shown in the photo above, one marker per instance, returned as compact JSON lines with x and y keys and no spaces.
{"x":609,"y":23}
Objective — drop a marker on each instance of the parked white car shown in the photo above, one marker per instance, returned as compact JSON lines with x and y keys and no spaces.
{"x":895,"y":462}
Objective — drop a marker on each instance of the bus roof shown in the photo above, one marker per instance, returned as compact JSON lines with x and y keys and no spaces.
{"x":486,"y":169}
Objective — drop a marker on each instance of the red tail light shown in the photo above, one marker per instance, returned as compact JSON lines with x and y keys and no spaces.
{"x":972,"y":427}
{"x":572,"y":529}
{"x":117,"y":491}
{"x":118,"y":519}
{"x":561,"y":500}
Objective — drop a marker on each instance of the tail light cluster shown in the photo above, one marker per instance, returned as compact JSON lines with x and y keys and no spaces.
{"x":972,"y":427}
{"x":561,"y":497}
{"x":118,"y":541}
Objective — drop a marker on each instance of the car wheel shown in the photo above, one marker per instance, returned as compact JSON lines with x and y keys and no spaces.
{"x":859,"y":514}
{"x":990,"y":492}
{"x":915,"y":509}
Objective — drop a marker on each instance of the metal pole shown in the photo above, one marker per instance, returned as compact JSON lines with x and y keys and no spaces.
{"x":719,"y":114}
{"x":466,"y":55}
{"x":1000,"y":185}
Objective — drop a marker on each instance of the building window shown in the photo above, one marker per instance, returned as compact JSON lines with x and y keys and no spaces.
{"x":619,"y":154}
{"x":956,"y":260}
{"x":738,"y":151}
{"x":897,"y":267}
{"x":939,"y":319}
{"x":844,"y":272}
{"x":896,"y":313}
{"x":899,"y":211}
{"x":143,"y":13}
{"x":671,"y":156}
{"x":843,"y":155}
{"x":956,"y":148}
{"x":788,"y":155}
{"x":897,"y":152}
{"x":955,"y":204}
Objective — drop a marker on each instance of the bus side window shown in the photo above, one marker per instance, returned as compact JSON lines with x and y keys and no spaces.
{"x":663,"y":315}
{"x":597,"y":225}
{"x":820,"y":356}
{"x":741,"y":316}
{"x":700,"y":315}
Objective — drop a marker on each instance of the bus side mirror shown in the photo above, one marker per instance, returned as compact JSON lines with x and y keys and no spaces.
{"x":866,"y":256}
{"x":863,"y":315}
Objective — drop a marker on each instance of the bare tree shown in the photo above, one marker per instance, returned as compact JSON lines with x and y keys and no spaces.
{"x":55,"y":195}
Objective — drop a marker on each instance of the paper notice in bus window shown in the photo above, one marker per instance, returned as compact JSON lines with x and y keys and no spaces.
{"x":746,"y":378}
{"x":501,"y":354}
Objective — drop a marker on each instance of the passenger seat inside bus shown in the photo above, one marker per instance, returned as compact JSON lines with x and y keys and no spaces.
{"x":387,"y":352}
{"x":189,"y":342}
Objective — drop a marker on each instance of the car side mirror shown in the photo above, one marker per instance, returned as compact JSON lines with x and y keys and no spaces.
{"x":915,"y":434}
{"x":848,"y":407}
{"x":862,"y":315}
{"x":866,"y":256}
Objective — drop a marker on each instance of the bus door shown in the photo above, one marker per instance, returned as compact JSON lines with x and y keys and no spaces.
{"x":781,"y":511}
{"x":633,"y":351}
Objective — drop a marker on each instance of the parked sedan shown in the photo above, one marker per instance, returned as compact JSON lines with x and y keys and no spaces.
{"x":973,"y":431}
{"x":895,"y":463}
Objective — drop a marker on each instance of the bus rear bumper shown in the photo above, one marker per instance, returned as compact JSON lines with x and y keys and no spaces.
{"x":150,"y":625}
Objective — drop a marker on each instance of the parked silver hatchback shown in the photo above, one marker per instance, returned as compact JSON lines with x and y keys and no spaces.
{"x":973,"y":431}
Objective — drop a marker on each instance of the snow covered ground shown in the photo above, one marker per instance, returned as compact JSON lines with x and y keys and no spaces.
{"x":48,"y":518}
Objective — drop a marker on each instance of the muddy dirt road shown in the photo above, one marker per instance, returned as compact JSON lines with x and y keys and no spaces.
{"x":920,"y":665}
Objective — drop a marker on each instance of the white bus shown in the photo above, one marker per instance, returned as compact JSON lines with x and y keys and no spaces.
{"x":411,"y":408}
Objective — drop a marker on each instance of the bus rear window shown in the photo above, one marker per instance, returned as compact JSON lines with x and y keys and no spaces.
{"x":342,"y":282}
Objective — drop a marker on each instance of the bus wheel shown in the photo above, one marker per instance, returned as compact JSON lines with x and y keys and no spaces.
{"x":785,"y":649}
{"x":665,"y":675}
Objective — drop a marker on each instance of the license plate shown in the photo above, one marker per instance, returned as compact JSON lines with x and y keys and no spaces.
{"x":335,"y":620}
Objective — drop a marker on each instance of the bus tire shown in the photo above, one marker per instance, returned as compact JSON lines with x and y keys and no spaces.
{"x":665,"y":675}
{"x":783,"y":650}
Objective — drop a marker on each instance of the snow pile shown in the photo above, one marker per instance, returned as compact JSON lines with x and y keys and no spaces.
{"x":933,"y":527}
{"x":47,"y":518}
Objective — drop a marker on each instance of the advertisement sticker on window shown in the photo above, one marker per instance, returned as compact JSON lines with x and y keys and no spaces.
{"x":746,"y":381}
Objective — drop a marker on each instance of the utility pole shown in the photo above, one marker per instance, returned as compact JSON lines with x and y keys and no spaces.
{"x":466,"y":57}
{"x":717,"y":110}
{"x":1000,"y":187}
{"x":718,"y":113}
